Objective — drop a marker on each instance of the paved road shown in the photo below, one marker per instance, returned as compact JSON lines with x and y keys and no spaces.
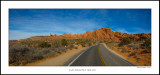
{"x":99,"y":55}
{"x":112,"y":59}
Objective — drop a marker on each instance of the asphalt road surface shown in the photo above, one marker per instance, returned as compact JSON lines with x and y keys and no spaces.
{"x":99,"y":55}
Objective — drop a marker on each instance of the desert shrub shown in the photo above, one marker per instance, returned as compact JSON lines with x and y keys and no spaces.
{"x":44,"y":44}
{"x":71,"y":46}
{"x":18,"y":54}
{"x":87,"y":40}
{"x":125,"y":51}
{"x":45,"y":51}
{"x":21,"y":55}
{"x":147,"y":43}
{"x":82,"y":43}
{"x":132,"y":54}
{"x":50,"y":53}
{"x":90,"y":44}
{"x":135,"y":46}
{"x":143,"y":38}
{"x":94,"y":42}
{"x":112,"y":41}
{"x":106,"y":43}
{"x":101,"y":41}
{"x":146,"y":51}
{"x":61,"y":49}
{"x":125,"y":41}
{"x":56,"y":44}
{"x":64,"y":42}
{"x":37,"y":57}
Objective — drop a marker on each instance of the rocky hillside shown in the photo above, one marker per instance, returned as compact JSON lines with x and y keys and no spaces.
{"x":102,"y":34}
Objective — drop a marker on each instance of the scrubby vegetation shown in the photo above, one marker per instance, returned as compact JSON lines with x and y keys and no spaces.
{"x":32,"y":49}
{"x":64,"y":42}
{"x":56,"y":44}
{"x":44,"y":44}
{"x":147,"y":43}
{"x":21,"y":54}
{"x":137,"y":52}
{"x":125,"y":41}
{"x":135,"y":47}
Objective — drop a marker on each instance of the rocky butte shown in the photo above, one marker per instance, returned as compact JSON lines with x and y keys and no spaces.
{"x":102,"y":34}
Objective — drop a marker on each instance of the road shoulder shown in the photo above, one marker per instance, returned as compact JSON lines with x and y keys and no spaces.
{"x":113,"y":51}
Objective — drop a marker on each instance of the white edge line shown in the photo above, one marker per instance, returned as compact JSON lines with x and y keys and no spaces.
{"x":77,"y":57}
{"x":124,"y":59}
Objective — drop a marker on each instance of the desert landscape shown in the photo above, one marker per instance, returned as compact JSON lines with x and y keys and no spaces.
{"x":80,"y":37}
{"x":136,"y":48}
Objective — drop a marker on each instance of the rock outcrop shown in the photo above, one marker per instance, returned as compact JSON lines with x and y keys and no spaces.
{"x":103,"y":34}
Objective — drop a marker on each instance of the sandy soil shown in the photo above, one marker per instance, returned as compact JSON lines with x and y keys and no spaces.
{"x":60,"y":60}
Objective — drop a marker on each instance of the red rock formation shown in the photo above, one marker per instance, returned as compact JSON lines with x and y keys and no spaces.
{"x":50,"y":34}
{"x":104,"y":34}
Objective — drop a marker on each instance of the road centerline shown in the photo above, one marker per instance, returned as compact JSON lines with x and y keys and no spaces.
{"x":101,"y":58}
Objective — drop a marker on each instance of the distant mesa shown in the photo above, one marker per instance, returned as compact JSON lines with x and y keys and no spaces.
{"x":102,"y":34}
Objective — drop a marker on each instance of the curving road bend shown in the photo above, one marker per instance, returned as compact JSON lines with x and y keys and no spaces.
{"x":99,"y":55}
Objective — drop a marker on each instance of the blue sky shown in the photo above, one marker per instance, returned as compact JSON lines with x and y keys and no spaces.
{"x":24,"y":23}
